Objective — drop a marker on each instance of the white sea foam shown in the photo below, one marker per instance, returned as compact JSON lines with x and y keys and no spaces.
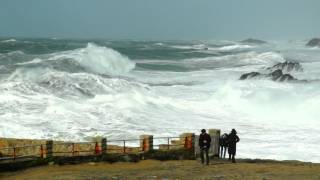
{"x":98,"y":59}
{"x":233,"y":47}
{"x":209,"y":48}
{"x":9,"y":40}
{"x":192,"y":47}
{"x":34,"y":61}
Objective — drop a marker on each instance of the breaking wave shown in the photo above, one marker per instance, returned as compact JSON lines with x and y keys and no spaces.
{"x":98,"y":59}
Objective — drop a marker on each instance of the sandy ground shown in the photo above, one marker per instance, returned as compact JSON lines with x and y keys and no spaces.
{"x":188,"y":169}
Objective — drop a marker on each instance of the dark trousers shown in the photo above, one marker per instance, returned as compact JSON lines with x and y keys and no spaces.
{"x":204,"y":151}
{"x":231,"y":157}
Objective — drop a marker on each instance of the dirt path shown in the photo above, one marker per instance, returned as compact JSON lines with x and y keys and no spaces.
{"x":151,"y":169}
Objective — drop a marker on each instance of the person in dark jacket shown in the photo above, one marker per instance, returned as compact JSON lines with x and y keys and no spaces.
{"x":223,"y":143}
{"x":204,"y":144}
{"x":233,"y":139}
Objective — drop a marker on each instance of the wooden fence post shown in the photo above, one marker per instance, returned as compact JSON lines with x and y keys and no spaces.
{"x":104,"y":145}
{"x":49,"y":147}
{"x":146,"y":143}
{"x":14,"y":153}
{"x":41,"y":151}
{"x":188,"y":140}
{"x":215,"y":135}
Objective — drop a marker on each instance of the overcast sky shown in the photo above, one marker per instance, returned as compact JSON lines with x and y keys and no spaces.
{"x":161,"y":19}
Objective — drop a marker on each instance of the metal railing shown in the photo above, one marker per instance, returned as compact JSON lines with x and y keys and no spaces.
{"x":126,"y":146}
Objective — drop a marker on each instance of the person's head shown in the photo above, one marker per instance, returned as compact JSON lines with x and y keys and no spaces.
{"x":203,"y":131}
{"x":233,"y":131}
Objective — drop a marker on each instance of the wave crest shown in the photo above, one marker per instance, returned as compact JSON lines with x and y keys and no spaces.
{"x":98,"y":59}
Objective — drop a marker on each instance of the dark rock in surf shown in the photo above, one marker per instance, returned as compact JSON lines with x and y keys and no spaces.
{"x":287,"y":66}
{"x":314,"y":42}
{"x":286,"y":77}
{"x":249,"y":75}
{"x":276,"y":75}
{"x":253,"y":41}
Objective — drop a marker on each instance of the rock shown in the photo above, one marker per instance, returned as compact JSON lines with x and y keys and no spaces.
{"x":287,"y":66}
{"x":249,"y":75}
{"x":314,"y":42}
{"x":92,"y":163}
{"x":286,"y":77}
{"x":253,"y":41}
{"x":276,"y":75}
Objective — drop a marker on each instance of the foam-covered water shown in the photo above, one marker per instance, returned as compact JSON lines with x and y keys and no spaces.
{"x":74,"y":89}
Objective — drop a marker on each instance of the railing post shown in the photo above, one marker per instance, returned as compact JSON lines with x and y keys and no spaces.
{"x":14,"y":153}
{"x":124,"y":146}
{"x":104,"y":145}
{"x":146,"y":143}
{"x":186,"y":146}
{"x":188,"y":140}
{"x":97,"y":148}
{"x":41,"y":151}
{"x":49,"y":147}
{"x":73,"y":149}
{"x":215,"y":135}
{"x":168,"y":144}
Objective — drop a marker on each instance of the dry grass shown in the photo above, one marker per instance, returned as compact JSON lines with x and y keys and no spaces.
{"x":151,"y":169}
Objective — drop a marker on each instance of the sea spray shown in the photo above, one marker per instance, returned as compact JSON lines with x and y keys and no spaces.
{"x":98,"y":59}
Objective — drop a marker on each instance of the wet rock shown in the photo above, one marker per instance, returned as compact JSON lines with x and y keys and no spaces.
{"x":286,"y":77}
{"x":276,"y":75}
{"x":253,"y":41}
{"x":314,"y":42}
{"x":287,"y":66}
{"x":249,"y":75}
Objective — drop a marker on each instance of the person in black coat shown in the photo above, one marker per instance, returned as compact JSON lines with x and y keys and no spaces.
{"x":204,"y":144}
{"x":233,"y":139}
{"x":223,"y":143}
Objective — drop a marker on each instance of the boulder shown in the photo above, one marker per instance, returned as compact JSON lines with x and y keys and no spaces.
{"x":276,"y":74}
{"x":249,"y":75}
{"x":314,"y":42}
{"x":286,"y":77}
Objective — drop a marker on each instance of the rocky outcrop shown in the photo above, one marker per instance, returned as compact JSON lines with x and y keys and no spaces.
{"x":276,"y":72}
{"x":249,"y":75}
{"x":276,"y":75}
{"x":287,"y":66}
{"x":253,"y":41}
{"x":314,"y":42}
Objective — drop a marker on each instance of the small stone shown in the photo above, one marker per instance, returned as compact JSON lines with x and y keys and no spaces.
{"x":92,"y":163}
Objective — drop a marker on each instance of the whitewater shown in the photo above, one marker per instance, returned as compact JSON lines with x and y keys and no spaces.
{"x":78,"y":89}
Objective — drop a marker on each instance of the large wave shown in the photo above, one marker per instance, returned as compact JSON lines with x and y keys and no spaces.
{"x":98,"y":59}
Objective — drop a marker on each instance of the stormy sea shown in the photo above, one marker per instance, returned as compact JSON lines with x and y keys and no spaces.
{"x":68,"y":89}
